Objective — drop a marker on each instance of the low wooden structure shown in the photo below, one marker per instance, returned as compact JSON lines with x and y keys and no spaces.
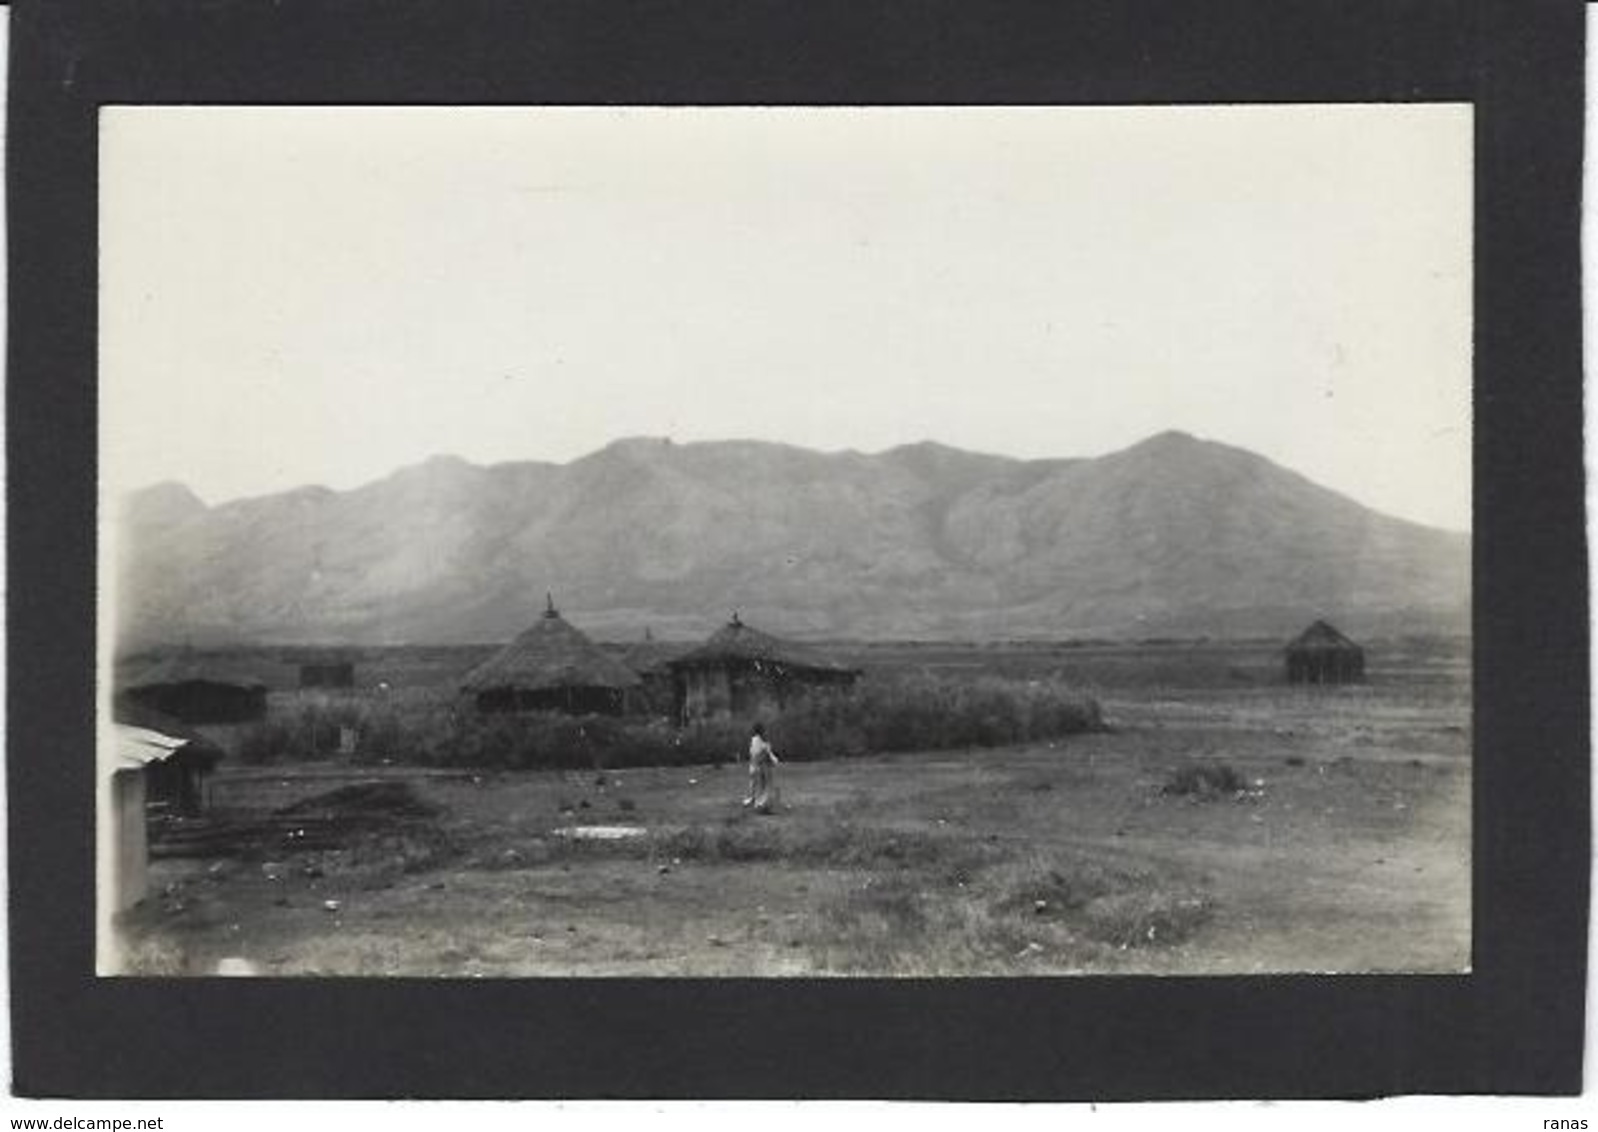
{"x":1323,"y":655}
{"x":174,"y":782}
{"x":122,"y":872}
{"x":144,"y":761}
{"x":551,"y":667}
{"x":743,"y":673}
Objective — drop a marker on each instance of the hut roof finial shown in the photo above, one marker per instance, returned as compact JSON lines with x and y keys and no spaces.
{"x":735,"y":622}
{"x":549,"y":605}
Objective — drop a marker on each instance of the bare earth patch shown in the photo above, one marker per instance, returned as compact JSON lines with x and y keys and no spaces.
{"x":1339,"y":843}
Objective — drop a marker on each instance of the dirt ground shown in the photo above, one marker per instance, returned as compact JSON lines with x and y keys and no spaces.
{"x":1345,"y":848}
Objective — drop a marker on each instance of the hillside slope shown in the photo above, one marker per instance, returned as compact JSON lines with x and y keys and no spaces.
{"x":1172,"y":535}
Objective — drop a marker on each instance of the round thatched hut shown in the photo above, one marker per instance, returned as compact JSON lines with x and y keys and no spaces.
{"x":1322,"y":655}
{"x":651,"y":660}
{"x":196,"y":687}
{"x":741,"y":672}
{"x":551,"y":667}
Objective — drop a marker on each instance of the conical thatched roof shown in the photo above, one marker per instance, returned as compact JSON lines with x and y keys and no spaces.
{"x":1321,"y":636}
{"x":736,"y":641}
{"x":651,"y":656}
{"x":551,"y":654}
{"x":187,"y":667}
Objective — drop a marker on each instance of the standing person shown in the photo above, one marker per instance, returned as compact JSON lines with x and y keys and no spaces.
{"x":762,"y":772}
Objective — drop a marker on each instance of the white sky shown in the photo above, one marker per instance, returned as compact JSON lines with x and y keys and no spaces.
{"x":322,"y":295}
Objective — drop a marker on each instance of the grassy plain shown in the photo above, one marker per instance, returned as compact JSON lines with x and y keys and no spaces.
{"x":1347,"y":847}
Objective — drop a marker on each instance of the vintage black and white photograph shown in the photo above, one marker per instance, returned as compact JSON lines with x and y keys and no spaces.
{"x":848,"y":541}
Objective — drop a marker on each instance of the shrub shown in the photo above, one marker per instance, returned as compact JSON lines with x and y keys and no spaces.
{"x":1147,"y":919}
{"x":307,"y":728}
{"x":925,"y":712}
{"x":1203,"y":780}
{"x":818,"y":727}
{"x":888,"y":909}
{"x":919,"y":712}
{"x":307,"y":725}
{"x":1118,"y":903}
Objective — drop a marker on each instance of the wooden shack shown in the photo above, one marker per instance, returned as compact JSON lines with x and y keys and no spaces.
{"x":1323,"y":655}
{"x":141,"y":763}
{"x":175,"y":781}
{"x":123,"y":859}
{"x":551,"y":667}
{"x":743,"y":673}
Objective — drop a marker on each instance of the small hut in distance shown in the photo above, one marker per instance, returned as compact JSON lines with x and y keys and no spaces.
{"x":650,"y":660}
{"x":1322,"y":655}
{"x":335,"y":673}
{"x":741,"y":672}
{"x":551,"y":667}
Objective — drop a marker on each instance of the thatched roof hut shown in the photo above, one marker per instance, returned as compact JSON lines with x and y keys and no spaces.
{"x":737,"y":642}
{"x":131,"y":713}
{"x":195,"y":687}
{"x":324,"y":668}
{"x":1323,"y":655}
{"x":651,"y":660}
{"x":649,"y":656}
{"x":551,"y":667}
{"x":743,"y":672}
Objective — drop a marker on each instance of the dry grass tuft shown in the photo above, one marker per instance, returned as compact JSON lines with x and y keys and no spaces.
{"x":1204,"y":780}
{"x":1147,"y":919}
{"x":152,"y":956}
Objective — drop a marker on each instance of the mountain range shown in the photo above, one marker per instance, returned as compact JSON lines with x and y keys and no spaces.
{"x":1172,"y":536}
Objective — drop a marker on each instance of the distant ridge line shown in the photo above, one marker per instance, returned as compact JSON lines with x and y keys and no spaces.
{"x":1174,"y":536}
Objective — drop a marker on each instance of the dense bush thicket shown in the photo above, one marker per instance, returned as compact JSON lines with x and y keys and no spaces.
{"x":881,"y":715}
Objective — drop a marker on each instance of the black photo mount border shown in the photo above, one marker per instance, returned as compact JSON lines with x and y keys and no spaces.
{"x":1513,"y":1025}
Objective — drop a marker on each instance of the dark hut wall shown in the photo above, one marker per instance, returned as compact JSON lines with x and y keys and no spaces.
{"x":201,"y":701}
{"x":1325,"y":666}
{"x":328,"y":675}
{"x":573,"y":701}
{"x":746,"y":690}
{"x":704,"y":693}
{"x":656,"y":695}
{"x":178,"y":782}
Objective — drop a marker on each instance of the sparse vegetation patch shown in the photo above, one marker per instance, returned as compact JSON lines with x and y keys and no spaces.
{"x":883,"y":715}
{"x":1204,"y":780}
{"x":1098,"y":853}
